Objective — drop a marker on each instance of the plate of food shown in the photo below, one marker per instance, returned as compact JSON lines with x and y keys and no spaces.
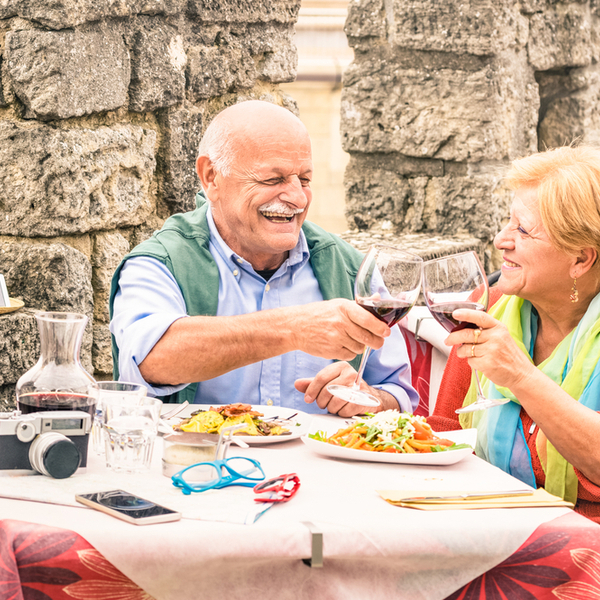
{"x":263,"y":424}
{"x":391,"y":437}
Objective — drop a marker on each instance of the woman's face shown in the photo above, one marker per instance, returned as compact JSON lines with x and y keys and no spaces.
{"x":533,"y":268}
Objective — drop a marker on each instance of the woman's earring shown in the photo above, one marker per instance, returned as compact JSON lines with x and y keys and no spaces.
{"x":574,"y":297}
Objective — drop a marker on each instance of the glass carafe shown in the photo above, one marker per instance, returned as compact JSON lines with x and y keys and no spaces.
{"x":58,"y":380}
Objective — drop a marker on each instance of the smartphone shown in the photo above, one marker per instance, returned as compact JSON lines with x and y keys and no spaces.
{"x":128,"y":507}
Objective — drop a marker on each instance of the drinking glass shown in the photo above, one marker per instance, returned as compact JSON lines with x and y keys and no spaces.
{"x":130,"y":428}
{"x":454,"y":282}
{"x":116,"y":390}
{"x":387,"y":285}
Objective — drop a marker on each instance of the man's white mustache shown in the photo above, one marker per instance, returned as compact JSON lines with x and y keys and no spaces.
{"x":280,"y":208}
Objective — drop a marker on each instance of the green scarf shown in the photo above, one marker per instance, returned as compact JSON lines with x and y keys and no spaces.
{"x":570,"y":365}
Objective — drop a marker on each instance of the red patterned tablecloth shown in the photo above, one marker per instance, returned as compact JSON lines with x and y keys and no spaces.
{"x":38,"y":562}
{"x":560,"y":560}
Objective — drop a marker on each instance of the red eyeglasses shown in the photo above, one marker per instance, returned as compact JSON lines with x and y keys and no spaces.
{"x":279,"y":489}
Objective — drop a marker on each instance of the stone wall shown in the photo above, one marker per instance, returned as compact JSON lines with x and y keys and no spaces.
{"x":441,"y":96}
{"x":102,"y":106}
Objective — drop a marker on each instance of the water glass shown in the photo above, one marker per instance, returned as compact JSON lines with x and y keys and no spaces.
{"x":130,"y":429}
{"x":116,"y":390}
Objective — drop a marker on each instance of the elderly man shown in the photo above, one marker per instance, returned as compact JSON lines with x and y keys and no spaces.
{"x":238,"y":301}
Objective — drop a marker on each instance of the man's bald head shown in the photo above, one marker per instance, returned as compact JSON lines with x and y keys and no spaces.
{"x":253,"y":122}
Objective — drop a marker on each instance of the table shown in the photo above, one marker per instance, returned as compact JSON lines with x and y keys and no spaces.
{"x":371,"y":549}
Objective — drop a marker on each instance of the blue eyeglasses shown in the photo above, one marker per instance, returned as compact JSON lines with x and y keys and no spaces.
{"x":218,"y":474}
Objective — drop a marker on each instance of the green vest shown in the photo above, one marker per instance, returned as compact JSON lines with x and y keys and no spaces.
{"x":182,"y":245}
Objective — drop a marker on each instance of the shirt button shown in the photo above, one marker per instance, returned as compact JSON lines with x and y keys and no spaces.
{"x":240,"y":260}
{"x":267,"y":287}
{"x":235,"y":272}
{"x":269,"y":402}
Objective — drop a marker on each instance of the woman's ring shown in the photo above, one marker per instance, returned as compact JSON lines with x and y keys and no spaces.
{"x":476,"y":333}
{"x":473,"y":351}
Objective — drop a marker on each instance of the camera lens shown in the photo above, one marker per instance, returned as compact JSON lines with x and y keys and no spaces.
{"x":55,"y":455}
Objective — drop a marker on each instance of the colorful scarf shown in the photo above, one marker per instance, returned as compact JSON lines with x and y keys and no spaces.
{"x":500,"y":436}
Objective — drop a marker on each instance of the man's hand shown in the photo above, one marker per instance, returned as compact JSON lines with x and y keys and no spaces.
{"x":335,"y":329}
{"x":340,"y":373}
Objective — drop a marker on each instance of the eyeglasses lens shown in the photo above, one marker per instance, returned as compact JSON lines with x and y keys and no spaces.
{"x":245,"y":468}
{"x":201,"y":474}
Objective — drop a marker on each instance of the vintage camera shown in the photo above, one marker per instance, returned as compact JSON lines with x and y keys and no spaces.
{"x":53,"y":443}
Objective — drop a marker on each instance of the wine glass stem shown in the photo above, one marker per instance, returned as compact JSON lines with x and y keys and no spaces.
{"x":363,"y":364}
{"x":479,"y":390}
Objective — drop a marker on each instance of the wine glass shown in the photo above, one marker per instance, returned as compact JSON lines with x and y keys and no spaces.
{"x":387,"y":284}
{"x":450,"y":283}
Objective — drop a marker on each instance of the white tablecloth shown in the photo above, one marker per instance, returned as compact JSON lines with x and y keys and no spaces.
{"x":372,"y":549}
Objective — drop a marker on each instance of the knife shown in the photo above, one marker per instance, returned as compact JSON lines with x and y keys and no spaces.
{"x":476,"y":496}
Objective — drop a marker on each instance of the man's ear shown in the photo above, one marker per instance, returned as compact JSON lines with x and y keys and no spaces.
{"x":207,"y":174}
{"x":585,"y":260}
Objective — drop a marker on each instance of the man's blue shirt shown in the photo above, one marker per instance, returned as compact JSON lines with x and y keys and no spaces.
{"x":149,"y":301}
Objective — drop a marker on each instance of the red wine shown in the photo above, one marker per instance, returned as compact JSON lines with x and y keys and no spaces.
{"x":38,"y":401}
{"x":443,"y":315}
{"x":388,"y":311}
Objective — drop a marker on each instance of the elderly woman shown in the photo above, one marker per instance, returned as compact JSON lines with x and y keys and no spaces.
{"x":539,"y":343}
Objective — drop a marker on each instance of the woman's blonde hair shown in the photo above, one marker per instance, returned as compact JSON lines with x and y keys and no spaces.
{"x":568,"y":190}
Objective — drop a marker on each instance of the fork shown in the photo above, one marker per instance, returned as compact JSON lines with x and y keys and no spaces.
{"x":174,"y":411}
{"x":280,"y":419}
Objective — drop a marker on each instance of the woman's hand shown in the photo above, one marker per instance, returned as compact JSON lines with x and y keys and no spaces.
{"x":490,"y":349}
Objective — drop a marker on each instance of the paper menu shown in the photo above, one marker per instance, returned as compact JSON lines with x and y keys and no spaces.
{"x":447,"y":500}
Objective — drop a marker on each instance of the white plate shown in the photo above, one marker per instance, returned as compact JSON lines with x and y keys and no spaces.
{"x":449,"y":457}
{"x":298,"y":425}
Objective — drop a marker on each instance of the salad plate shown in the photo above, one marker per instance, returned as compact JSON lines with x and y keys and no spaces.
{"x":295,"y":421}
{"x":447,"y":457}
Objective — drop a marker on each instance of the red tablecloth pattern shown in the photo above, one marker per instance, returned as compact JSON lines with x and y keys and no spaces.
{"x":560,"y":560}
{"x":38,"y":562}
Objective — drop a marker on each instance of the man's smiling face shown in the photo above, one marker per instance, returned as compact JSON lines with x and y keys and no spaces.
{"x":260,"y":205}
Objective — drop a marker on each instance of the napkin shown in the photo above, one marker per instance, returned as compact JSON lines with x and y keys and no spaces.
{"x":432,"y":500}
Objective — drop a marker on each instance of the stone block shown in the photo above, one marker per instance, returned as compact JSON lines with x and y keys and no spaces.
{"x":19,"y":347}
{"x":157,"y":65}
{"x":486,"y":110}
{"x":48,"y":277}
{"x":570,"y":110}
{"x":60,"y":181}
{"x":239,"y":55}
{"x":397,"y":163}
{"x":276,"y":53}
{"x":484,"y":27}
{"x":3,"y":100}
{"x":366,"y":19}
{"x":62,"y":14}
{"x":8,"y":399}
{"x":474,"y":205}
{"x":560,"y":36}
{"x":109,"y":250}
{"x":245,"y":11}
{"x":177,"y":158}
{"x":62,"y":74}
{"x":424,"y":245}
{"x":102,"y":350}
{"x":52,"y":277}
{"x":215,"y":71}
